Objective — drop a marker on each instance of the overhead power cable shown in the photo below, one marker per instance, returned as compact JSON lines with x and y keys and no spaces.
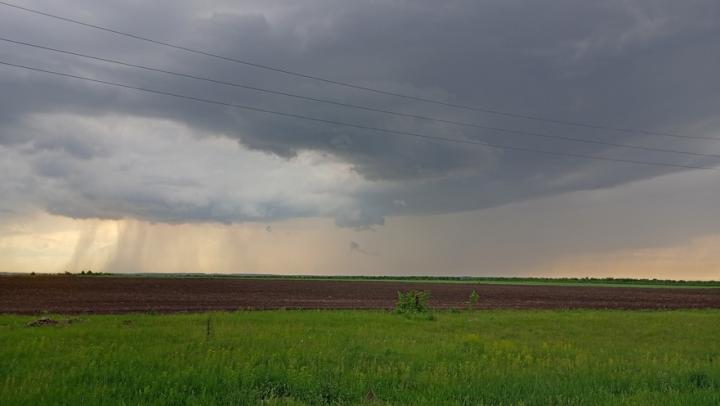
{"x":342,"y":83}
{"x":348,"y":105}
{"x":351,"y":125}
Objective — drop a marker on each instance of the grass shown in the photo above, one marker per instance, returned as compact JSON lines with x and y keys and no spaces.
{"x":366,"y":357}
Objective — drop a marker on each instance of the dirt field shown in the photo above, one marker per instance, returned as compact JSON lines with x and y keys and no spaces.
{"x":72,"y":294}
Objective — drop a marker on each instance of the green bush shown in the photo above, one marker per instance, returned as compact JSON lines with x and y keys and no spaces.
{"x":474,"y":298}
{"x":412,"y":301}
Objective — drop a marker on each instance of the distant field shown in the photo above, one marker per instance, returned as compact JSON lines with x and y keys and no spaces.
{"x":603,"y":282}
{"x":610,"y":282}
{"x":366,"y":357}
{"x":606,"y":282}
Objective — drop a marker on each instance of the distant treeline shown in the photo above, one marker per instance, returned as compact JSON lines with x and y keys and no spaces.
{"x":502,"y":279}
{"x":466,"y":279}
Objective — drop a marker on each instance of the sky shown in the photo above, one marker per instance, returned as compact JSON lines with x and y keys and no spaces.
{"x":113,"y":179}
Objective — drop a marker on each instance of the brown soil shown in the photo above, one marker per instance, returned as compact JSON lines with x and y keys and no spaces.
{"x":72,"y":294}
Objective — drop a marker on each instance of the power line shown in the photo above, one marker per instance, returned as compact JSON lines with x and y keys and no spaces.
{"x":348,"y":105}
{"x":345,"y":84}
{"x":351,"y":125}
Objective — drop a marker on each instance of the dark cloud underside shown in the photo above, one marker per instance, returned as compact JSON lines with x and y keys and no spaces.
{"x":638,"y":64}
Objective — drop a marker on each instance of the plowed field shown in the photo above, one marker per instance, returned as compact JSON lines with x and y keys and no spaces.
{"x":72,"y":294}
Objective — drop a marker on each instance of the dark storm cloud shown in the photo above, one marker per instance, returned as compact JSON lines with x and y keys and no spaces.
{"x":640,"y":64}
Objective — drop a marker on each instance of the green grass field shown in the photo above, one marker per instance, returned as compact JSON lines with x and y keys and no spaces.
{"x":365,"y":357}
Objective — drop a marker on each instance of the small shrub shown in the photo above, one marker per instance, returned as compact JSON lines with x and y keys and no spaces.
{"x":208,"y":329}
{"x":474,"y":298}
{"x":412,"y":301}
{"x":700,"y":380}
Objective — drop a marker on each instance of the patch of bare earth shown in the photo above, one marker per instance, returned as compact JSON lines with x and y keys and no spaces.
{"x":73,"y":294}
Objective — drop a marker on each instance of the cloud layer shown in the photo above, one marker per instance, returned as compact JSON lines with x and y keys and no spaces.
{"x":87,"y":151}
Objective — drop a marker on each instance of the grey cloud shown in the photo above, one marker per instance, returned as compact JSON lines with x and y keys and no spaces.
{"x":158,"y":171}
{"x":360,"y":219}
{"x":356,"y":248}
{"x":635,"y":64}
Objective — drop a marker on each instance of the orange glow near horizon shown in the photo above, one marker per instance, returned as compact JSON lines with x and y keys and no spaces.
{"x":404,"y":246}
